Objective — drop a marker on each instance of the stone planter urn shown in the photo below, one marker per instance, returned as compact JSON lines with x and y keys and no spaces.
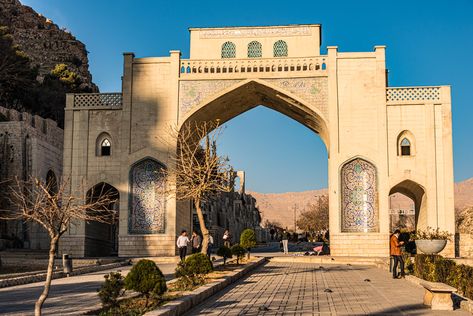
{"x":431,"y":246}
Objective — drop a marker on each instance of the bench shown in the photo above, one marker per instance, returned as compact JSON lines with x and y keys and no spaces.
{"x":438,"y":295}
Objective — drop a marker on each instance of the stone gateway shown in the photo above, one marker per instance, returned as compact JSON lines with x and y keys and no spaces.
{"x":380,"y":140}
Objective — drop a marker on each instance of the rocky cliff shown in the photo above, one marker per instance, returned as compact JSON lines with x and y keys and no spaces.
{"x":44,"y":42}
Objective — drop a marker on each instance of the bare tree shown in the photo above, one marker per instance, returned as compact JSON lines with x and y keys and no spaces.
{"x":196,"y":172}
{"x":316,"y":216}
{"x":54,"y":208}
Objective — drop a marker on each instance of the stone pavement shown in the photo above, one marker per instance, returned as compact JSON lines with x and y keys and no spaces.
{"x":307,"y":289}
{"x":68,"y":296}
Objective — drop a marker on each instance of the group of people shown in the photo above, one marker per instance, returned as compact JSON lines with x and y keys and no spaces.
{"x":195,"y":241}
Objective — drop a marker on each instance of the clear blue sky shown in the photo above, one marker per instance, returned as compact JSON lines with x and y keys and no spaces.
{"x":428,"y":43}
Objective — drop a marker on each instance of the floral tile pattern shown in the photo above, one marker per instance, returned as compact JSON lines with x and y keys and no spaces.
{"x":359,"y":197}
{"x":147,"y":200}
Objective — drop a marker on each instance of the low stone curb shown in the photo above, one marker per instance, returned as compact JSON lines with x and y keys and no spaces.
{"x":58,"y":274}
{"x":465,"y":303}
{"x":192,"y":298}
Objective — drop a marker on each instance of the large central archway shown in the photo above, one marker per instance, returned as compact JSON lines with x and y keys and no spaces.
{"x":248,"y":94}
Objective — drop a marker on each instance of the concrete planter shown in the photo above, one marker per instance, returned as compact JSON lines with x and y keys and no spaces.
{"x":431,"y":247}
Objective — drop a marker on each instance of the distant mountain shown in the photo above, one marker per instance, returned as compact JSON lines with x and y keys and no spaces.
{"x":279,"y":207}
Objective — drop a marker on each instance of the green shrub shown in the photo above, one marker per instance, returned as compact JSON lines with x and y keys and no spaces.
{"x":248,"y":239}
{"x":224,"y":252}
{"x":192,"y":271}
{"x":424,"y":266}
{"x":443,"y":269}
{"x":408,"y":262}
{"x":146,"y":278}
{"x":435,"y":268}
{"x":111,"y":289}
{"x":239,"y":252}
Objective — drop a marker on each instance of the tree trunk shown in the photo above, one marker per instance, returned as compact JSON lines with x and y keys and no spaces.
{"x":204,"y":230}
{"x":49,"y":276}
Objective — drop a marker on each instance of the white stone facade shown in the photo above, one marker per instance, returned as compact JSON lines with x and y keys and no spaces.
{"x":341,"y":96}
{"x":30,"y":146}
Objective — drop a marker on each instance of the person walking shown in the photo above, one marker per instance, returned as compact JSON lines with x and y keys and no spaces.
{"x":196,"y":242}
{"x":227,"y":238}
{"x":210,"y":245}
{"x":395,"y":251}
{"x":285,"y":241}
{"x":182,"y":242}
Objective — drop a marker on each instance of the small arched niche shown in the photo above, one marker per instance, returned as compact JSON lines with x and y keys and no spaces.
{"x":103,"y":145}
{"x":405,"y":144}
{"x":51,"y":182}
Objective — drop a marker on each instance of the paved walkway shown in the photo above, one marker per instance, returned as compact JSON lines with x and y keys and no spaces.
{"x":307,"y":289}
{"x":68,"y":296}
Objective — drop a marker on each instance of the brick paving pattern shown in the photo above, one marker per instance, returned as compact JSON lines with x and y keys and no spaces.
{"x":304,"y":289}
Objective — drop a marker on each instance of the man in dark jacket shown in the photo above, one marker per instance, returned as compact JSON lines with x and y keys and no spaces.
{"x":196,"y":241}
{"x":285,"y":241}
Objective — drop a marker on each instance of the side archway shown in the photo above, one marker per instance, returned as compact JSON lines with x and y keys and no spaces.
{"x":416,"y":193}
{"x":359,"y":197}
{"x":102,"y":238}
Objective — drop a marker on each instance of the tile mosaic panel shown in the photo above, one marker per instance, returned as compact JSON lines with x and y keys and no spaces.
{"x":359,"y":197}
{"x":194,"y":92}
{"x":312,"y":90}
{"x":147,"y":201}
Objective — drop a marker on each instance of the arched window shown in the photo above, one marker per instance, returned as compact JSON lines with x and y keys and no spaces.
{"x":405,"y":147}
{"x":254,"y":49}
{"x":280,"y":49}
{"x":104,"y":145}
{"x":406,"y":144}
{"x":51,"y":182}
{"x":228,"y":50}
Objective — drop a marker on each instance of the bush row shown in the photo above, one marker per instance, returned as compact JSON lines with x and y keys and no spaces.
{"x":435,"y":268}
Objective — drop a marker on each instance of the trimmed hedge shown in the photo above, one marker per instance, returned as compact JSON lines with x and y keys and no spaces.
{"x":191,"y":272}
{"x":145,"y":277}
{"x":435,"y":268}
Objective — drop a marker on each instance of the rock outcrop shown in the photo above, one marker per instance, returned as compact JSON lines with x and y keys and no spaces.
{"x":44,"y":42}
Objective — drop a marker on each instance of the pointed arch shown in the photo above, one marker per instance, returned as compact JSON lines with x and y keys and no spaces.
{"x":417,"y":194}
{"x":51,"y":182}
{"x":259,"y":92}
{"x":102,"y":238}
{"x":103,"y":145}
{"x":406,"y":144}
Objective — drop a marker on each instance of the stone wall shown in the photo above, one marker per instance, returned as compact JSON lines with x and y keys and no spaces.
{"x":44,"y":42}
{"x":465,"y":245}
{"x":235,"y":211}
{"x":30,"y":146}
